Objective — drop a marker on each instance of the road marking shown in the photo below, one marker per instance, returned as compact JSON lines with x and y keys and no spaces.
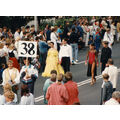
{"x":38,"y":99}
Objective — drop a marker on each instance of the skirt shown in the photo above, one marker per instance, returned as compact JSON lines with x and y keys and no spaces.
{"x":89,"y":70}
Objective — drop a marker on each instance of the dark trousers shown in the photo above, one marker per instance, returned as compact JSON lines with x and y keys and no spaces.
{"x":103,"y":67}
{"x":43,"y":57}
{"x":30,"y":86}
{"x":114,"y":89}
{"x":58,"y":47}
{"x":66,"y":64}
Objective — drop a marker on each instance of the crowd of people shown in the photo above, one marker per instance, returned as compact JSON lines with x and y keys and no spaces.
{"x":57,"y":50}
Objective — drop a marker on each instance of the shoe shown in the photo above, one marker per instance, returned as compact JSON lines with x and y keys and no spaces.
{"x":76,"y":61}
{"x":92,"y":83}
{"x":94,"y":80}
{"x":72,"y":62}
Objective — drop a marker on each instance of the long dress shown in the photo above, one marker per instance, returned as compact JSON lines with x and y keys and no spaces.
{"x":52,"y":63}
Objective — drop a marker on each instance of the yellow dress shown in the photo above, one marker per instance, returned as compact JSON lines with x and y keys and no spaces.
{"x":52,"y":63}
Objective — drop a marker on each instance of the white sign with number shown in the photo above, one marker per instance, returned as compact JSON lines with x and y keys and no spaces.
{"x":27,"y":49}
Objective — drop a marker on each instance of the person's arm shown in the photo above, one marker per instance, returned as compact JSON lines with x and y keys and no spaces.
{"x":17,"y":79}
{"x":105,"y":71}
{"x":3,"y":76}
{"x":60,"y":54}
{"x":87,"y":56}
{"x":64,"y":94}
{"x":48,"y":93}
{"x":70,"y":52}
{"x":16,"y":54}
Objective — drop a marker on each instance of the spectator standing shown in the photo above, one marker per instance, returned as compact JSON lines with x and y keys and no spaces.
{"x":107,"y":89}
{"x":115,"y":100}
{"x":48,"y":82}
{"x":72,"y":89}
{"x":112,"y":71}
{"x":57,"y":93}
{"x":27,"y":98}
{"x":118,"y":31}
{"x":73,"y":40}
{"x":105,"y":55}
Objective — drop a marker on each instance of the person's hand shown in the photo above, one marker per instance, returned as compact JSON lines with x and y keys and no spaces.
{"x":13,"y":82}
{"x":27,"y":77}
{"x":86,"y":62}
{"x":107,"y":65}
{"x":70,"y":63}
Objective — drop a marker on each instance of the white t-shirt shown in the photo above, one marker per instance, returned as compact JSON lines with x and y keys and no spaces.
{"x":27,"y":100}
{"x":112,"y":102}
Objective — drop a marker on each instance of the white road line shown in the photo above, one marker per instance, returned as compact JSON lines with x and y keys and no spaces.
{"x":38,"y":99}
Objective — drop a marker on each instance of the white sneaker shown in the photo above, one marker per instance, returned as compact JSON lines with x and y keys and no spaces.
{"x":76,"y":61}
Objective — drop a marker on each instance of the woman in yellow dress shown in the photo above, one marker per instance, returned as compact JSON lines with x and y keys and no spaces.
{"x":52,"y":62}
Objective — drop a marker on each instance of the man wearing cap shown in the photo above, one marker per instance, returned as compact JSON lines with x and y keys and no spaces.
{"x":105,"y":55}
{"x":108,"y":36}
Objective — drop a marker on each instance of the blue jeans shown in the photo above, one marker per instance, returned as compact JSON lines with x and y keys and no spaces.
{"x":74,"y":51}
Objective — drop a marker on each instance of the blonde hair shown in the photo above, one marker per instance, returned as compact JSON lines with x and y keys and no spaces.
{"x":11,"y":46}
{"x":60,"y":76}
{"x":9,"y":94}
{"x":7,"y":87}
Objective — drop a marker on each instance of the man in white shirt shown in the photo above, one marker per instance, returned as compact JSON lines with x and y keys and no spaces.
{"x":65,"y":55}
{"x":108,"y":36}
{"x":115,"y":100}
{"x":112,"y":71}
{"x":17,"y":33}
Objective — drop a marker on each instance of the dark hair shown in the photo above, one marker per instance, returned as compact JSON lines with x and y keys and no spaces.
{"x":68,"y":76}
{"x":52,"y":43}
{"x":73,"y":29}
{"x":110,"y":61}
{"x":32,"y":26}
{"x":53,"y":72}
{"x":92,"y":44}
{"x":27,"y":27}
{"x":29,"y":59}
{"x":2,"y":37}
{"x":65,"y":39}
{"x":24,"y":90}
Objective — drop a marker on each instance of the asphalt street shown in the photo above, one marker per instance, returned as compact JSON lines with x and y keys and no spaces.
{"x":88,"y":95}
